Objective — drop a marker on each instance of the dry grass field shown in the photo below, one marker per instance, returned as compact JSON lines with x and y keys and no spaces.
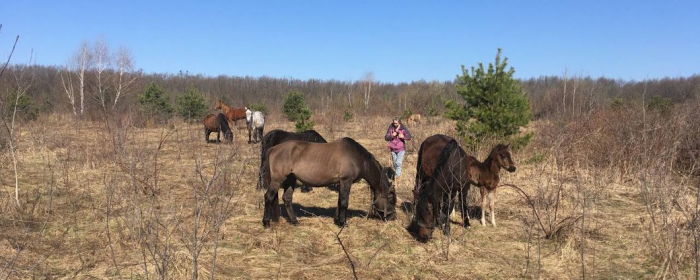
{"x":109,"y":200}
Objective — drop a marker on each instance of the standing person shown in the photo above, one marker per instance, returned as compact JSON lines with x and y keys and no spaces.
{"x":397,"y":134}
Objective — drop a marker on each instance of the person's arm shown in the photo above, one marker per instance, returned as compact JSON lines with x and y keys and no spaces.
{"x":389,"y":133}
{"x":407,"y":134}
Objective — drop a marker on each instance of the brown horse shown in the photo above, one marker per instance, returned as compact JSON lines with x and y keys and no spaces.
{"x":218,"y":124}
{"x":485,"y":176}
{"x":279,"y":136}
{"x":440,"y":154}
{"x":320,"y":164}
{"x":441,"y":174}
{"x":232,"y":114}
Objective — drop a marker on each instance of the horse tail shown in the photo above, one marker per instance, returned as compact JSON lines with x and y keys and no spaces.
{"x":265,"y":144}
{"x":419,"y":170}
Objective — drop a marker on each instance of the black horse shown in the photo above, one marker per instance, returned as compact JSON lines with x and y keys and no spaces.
{"x":276,"y":137}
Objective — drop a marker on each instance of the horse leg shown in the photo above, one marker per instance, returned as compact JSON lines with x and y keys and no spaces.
{"x":343,"y":199}
{"x":492,"y":196}
{"x":287,"y":198}
{"x":206,"y":135}
{"x":464,"y":205}
{"x":218,"y":134}
{"x":249,"y":130}
{"x":483,"y":205}
{"x":446,"y":208}
{"x":272,"y":207}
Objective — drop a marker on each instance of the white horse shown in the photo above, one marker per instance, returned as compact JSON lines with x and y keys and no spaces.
{"x":255,"y":120}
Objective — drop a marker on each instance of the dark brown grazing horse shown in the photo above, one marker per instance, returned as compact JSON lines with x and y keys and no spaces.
{"x":342,"y":161}
{"x":232,"y":114}
{"x":218,"y":124}
{"x":441,"y":174}
{"x":278,"y":136}
{"x":440,"y":154}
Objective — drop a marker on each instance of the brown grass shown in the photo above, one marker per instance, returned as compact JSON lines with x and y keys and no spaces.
{"x":107,"y":200}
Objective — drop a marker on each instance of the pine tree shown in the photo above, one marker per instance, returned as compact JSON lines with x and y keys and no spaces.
{"x":495,"y":104}
{"x":191,"y":105}
{"x":154,"y":101}
{"x":294,"y":106}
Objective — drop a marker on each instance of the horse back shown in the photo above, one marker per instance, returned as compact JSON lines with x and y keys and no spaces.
{"x":314,"y":164}
{"x":429,"y":153}
{"x":211,"y":122}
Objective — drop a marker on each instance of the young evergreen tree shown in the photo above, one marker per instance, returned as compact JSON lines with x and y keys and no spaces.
{"x":495,"y":104}
{"x":154,"y":101}
{"x":294,"y":106}
{"x":191,"y":105}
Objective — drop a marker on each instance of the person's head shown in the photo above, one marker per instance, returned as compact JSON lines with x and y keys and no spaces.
{"x":396,"y":122}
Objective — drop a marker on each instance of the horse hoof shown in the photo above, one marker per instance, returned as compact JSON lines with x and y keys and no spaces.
{"x":266,"y":224}
{"x":306,"y":189}
{"x":294,"y":222}
{"x":340,"y":224}
{"x":391,"y":217}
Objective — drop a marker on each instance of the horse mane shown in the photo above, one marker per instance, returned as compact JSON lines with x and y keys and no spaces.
{"x":360,"y":149}
{"x":313,"y":136}
{"x":223,"y":122}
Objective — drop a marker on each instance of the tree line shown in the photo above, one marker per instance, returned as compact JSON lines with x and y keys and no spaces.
{"x":548,"y":95}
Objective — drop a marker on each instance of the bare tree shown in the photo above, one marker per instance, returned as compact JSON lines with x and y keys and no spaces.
{"x":102,"y":62}
{"x":125,"y":74}
{"x":77,"y":65}
{"x":67,"y":83}
{"x":367,"y":81}
{"x":21,"y":90}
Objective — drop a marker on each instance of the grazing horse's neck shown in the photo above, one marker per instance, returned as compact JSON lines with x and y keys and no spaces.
{"x":372,"y":173}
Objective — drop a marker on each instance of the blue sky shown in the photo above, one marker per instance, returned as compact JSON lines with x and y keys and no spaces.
{"x":397,"y":41}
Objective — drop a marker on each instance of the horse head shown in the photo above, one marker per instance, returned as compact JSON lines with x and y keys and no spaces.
{"x":503,"y":157}
{"x":217,"y":105}
{"x":423,"y":222}
{"x":385,"y":203}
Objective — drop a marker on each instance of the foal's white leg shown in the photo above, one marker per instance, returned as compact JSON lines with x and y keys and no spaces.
{"x":492,"y":197}
{"x":483,"y":205}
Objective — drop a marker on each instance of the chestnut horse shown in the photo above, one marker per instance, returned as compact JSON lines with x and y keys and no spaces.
{"x":343,"y":161}
{"x":456,"y":171}
{"x":232,"y":114}
{"x":279,"y":136}
{"x":218,"y":124}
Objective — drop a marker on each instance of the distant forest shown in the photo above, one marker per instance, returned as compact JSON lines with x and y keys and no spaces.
{"x":553,"y":95}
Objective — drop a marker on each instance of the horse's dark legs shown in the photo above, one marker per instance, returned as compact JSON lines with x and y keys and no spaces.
{"x":446,"y":206}
{"x":249,"y":132}
{"x":343,"y":200}
{"x":464,"y":205}
{"x":218,"y":138}
{"x":272,"y":206}
{"x":287,"y":198}
{"x":206,"y":135}
{"x":259,"y":135}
